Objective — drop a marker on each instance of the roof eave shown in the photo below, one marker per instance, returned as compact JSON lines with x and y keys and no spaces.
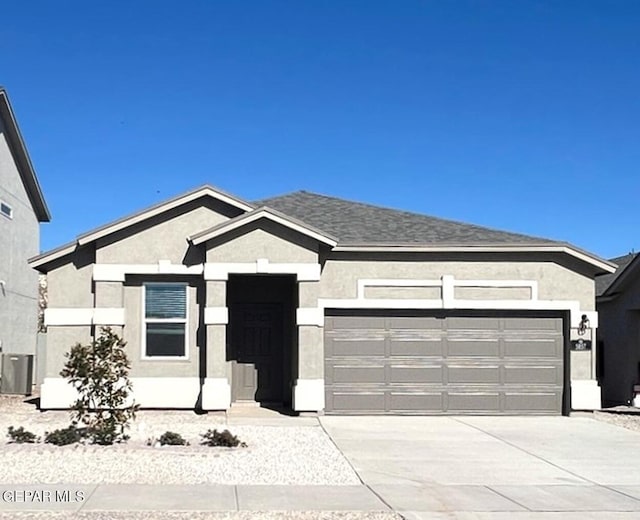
{"x":604,"y":265}
{"x":270,"y":214}
{"x":612,"y":290}
{"x":160,"y":208}
{"x":23,"y":161}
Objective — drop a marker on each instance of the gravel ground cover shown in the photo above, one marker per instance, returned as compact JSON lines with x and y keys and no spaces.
{"x":275,"y":454}
{"x":629,"y":419}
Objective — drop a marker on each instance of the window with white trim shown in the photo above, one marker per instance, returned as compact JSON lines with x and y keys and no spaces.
{"x":6,"y":210}
{"x":165,"y":320}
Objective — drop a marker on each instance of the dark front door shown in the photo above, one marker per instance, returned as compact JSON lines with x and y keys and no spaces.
{"x":256,"y":350}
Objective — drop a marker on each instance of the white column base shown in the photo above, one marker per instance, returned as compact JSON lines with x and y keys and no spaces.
{"x":148,"y":392}
{"x":585,"y":395}
{"x":308,"y":395}
{"x":216,"y":394}
{"x":56,"y":394}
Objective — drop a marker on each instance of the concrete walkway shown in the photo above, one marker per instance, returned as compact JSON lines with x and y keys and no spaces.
{"x":495,"y":467}
{"x":218,"y":498}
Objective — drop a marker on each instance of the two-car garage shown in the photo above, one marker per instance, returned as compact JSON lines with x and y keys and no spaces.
{"x":437,"y":362}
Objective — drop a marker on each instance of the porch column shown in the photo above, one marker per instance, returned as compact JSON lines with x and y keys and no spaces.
{"x":216,"y":392}
{"x":308,"y":391}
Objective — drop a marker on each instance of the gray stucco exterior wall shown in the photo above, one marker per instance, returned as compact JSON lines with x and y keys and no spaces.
{"x":19,"y":240}
{"x":102,"y":283}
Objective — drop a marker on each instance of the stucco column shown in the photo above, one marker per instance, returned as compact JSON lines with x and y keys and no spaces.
{"x":308,"y":392}
{"x":216,"y":391}
{"x":109,"y":306}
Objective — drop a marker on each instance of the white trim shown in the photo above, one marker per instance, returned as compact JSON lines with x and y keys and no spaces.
{"x":219,"y":271}
{"x":145,"y":321}
{"x":84,"y":316}
{"x":448,"y":283}
{"x":216,"y":394}
{"x":585,"y":395}
{"x":118,"y":272}
{"x":216,"y":315}
{"x":266,"y":213}
{"x":310,"y":316}
{"x":108,"y":316}
{"x":448,"y":290}
{"x":308,"y":395}
{"x":149,"y":392}
{"x":532,"y":285}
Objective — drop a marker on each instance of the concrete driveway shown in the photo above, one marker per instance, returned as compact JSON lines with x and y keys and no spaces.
{"x":495,"y":467}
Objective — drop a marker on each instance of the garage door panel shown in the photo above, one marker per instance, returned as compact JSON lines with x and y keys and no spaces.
{"x":454,"y":323}
{"x":532,"y":402}
{"x":357,"y":322}
{"x":361,"y":402}
{"x":534,"y":374}
{"x":365,"y":347}
{"x":545,"y":348}
{"x":473,"y":402}
{"x":418,"y":323}
{"x":470,"y":348}
{"x":533,"y":324}
{"x":416,"y":374}
{"x":471,"y":374}
{"x":358,"y":374}
{"x":416,"y":348}
{"x":454,"y":364}
{"x":407,"y":402}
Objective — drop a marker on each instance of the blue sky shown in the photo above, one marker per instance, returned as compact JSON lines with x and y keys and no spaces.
{"x":523,"y":116}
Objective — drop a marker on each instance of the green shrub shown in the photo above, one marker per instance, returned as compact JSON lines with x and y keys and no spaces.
{"x":21,"y":436}
{"x":100,"y":374}
{"x":224,"y":438}
{"x":172,"y":439}
{"x":65,"y":436}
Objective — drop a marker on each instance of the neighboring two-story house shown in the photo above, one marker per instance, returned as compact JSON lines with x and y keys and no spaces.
{"x":22,"y":208}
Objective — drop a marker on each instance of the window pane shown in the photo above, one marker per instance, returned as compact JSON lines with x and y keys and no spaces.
{"x":165,"y":339}
{"x":166,"y":301}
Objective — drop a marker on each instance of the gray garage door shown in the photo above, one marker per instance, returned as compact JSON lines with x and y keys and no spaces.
{"x":455,"y":364}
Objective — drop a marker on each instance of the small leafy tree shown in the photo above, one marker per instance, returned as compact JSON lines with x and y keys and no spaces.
{"x":100,"y":374}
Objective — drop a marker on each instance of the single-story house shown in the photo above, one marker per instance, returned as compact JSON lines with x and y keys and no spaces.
{"x":327,"y":305}
{"x":22,"y":209}
{"x":618,"y":305}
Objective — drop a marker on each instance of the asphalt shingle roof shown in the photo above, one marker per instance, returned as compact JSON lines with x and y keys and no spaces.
{"x":604,"y":281}
{"x":359,"y":223}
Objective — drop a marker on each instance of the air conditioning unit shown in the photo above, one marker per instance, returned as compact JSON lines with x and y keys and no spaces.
{"x":17,"y":374}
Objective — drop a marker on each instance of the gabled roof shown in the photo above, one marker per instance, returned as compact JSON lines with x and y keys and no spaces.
{"x":348,"y":226}
{"x":103,"y":231}
{"x":21,"y":157}
{"x":167,"y":205}
{"x":359,"y":223}
{"x":608,"y":284}
{"x":263,"y":213}
{"x":362,"y":226}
